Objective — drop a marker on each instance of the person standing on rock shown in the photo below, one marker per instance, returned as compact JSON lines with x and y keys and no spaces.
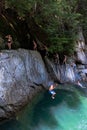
{"x":56,"y":58}
{"x":34,"y":45}
{"x":9,"y":41}
{"x":65,"y":59}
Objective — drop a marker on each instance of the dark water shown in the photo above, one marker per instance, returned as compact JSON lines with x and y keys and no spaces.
{"x":68,"y":111}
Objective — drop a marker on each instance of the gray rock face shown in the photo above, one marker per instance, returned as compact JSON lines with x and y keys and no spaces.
{"x":71,"y":72}
{"x":20,"y":72}
{"x":80,"y":47}
{"x":63,"y":73}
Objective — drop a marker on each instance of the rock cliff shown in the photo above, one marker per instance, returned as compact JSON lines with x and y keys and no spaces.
{"x":21,"y":72}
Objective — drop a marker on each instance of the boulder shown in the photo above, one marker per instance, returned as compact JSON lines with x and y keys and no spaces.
{"x":21,"y":72}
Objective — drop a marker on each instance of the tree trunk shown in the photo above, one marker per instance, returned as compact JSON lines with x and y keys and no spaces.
{"x":2,"y":6}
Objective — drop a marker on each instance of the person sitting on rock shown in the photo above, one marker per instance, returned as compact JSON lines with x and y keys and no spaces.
{"x":79,"y":84}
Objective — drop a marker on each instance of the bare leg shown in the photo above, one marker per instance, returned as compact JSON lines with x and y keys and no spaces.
{"x":9,"y":46}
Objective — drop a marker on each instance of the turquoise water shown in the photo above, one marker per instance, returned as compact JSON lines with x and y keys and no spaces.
{"x":68,"y":111}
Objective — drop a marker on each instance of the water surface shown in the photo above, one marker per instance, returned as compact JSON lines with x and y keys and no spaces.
{"x":68,"y":111}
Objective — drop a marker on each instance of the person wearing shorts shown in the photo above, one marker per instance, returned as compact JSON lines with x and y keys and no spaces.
{"x":51,"y":90}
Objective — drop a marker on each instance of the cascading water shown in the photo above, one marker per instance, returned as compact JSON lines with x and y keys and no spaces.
{"x":68,"y":111}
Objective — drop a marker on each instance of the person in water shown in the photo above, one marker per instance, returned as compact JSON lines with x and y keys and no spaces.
{"x":51,"y":90}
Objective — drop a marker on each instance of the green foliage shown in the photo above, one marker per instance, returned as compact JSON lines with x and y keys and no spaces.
{"x":58,"y":18}
{"x":60,"y":21}
{"x":82,"y":9}
{"x":21,"y":6}
{"x":5,"y":27}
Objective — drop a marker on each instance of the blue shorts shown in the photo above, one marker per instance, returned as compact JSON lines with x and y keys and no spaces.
{"x":52,"y":92}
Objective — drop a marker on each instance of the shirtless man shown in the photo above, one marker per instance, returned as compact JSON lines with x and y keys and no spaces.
{"x":9,"y":41}
{"x":51,"y":90}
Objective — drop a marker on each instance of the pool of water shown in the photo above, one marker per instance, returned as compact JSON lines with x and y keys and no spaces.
{"x":68,"y":111}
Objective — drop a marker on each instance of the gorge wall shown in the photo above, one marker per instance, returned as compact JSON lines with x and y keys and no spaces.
{"x":23,"y":73}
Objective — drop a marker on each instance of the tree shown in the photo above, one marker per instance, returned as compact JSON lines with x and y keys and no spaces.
{"x":2,"y":6}
{"x":82,"y":9}
{"x":58,"y":18}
